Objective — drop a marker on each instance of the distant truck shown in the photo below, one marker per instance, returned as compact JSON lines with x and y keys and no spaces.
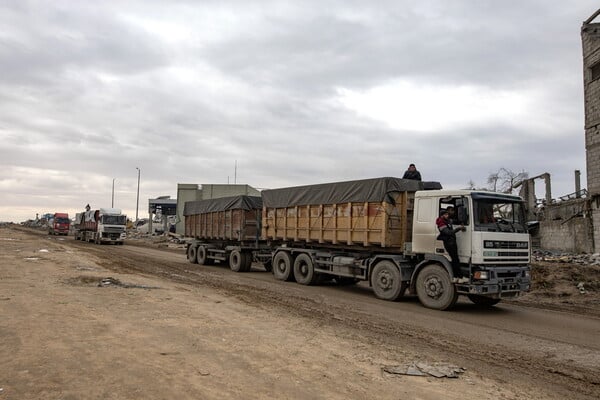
{"x":105,"y":225}
{"x":380,"y":230}
{"x":59,"y":224}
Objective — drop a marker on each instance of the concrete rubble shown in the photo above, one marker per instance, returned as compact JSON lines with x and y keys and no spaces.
{"x":169,"y":240}
{"x":561,"y":257}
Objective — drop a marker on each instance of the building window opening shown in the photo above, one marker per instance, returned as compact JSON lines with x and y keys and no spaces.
{"x":595,"y":71}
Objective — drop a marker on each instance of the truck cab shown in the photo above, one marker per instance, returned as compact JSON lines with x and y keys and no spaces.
{"x":59,"y":224}
{"x":494,"y":249}
{"x":111,"y":225}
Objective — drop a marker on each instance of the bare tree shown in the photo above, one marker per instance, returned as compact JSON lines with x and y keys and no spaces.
{"x":504,"y":180}
{"x":492,"y":181}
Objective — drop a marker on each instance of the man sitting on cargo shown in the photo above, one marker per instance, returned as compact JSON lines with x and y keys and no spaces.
{"x":412,"y":173}
{"x":448,"y":236}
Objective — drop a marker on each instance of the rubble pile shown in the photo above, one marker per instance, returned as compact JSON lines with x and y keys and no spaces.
{"x":560,"y":257}
{"x":170,"y":240}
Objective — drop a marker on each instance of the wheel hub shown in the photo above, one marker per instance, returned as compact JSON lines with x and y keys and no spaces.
{"x":304,"y":269}
{"x":385,"y":280}
{"x":281,"y":267}
{"x":434,"y":287}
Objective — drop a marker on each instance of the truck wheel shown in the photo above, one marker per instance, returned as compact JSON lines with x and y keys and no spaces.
{"x":304,"y":270}
{"x":282,"y":266}
{"x":202,"y":255}
{"x":192,"y":254}
{"x":483,"y":301}
{"x":434,"y":288}
{"x":237,"y":261}
{"x":386,"y":281}
{"x":247,"y":259}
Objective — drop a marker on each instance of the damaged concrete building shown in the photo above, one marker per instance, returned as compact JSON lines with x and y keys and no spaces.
{"x":573,"y":223}
{"x":590,"y":36}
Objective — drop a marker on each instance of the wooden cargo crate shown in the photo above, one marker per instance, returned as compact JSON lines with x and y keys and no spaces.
{"x":234,"y":218}
{"x":364,"y":224}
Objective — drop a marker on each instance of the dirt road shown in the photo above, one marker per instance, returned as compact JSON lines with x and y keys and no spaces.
{"x":164,"y":328}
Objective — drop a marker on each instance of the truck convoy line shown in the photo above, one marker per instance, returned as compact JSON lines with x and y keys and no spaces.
{"x":378,"y":230}
{"x":105,"y":225}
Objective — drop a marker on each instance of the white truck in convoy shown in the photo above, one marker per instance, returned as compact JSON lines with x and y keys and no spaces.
{"x":382,"y":231}
{"x":104,"y":225}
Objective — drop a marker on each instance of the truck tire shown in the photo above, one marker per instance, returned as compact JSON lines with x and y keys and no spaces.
{"x":202,"y":255}
{"x":237,"y":261}
{"x":283,"y":266}
{"x":435,"y":289}
{"x":304,"y":270}
{"x":247,"y":261}
{"x":483,"y":301}
{"x":387,"y":282}
{"x":192,"y":254}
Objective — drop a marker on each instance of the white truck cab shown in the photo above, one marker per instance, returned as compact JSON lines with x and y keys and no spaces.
{"x":494,"y":249}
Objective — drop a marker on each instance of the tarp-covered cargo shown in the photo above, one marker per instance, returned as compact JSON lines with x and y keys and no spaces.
{"x":371,"y":212}
{"x":227,"y":218}
{"x":366,"y":190}
{"x":222,"y":204}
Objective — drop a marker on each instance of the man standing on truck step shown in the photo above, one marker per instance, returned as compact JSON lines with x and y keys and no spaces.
{"x":412,"y":173}
{"x":448,"y":236}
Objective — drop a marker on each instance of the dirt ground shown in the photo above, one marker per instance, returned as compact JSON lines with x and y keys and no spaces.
{"x":161,"y":328}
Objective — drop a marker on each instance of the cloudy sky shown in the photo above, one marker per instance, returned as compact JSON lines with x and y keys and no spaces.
{"x":293,"y":92}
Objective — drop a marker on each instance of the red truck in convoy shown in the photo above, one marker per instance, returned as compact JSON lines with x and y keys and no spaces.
{"x":59,"y":224}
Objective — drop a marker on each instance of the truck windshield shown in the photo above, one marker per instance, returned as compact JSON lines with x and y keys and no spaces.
{"x":113,"y":219}
{"x":499,"y":215}
{"x":62,"y":220}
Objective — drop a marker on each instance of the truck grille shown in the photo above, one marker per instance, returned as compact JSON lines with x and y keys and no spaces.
{"x":504,"y":244}
{"x":117,"y":229}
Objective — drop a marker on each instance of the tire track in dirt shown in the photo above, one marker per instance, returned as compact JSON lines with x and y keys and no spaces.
{"x":498,"y":361}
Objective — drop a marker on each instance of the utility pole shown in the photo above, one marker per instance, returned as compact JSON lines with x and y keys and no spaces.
{"x":112,"y":204}
{"x":137,"y":201}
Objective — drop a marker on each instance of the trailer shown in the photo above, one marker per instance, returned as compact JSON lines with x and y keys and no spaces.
{"x":226,"y":230}
{"x":383,"y":231}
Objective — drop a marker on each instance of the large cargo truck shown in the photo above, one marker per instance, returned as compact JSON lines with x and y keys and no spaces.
{"x":226,"y":229}
{"x":383,"y":231}
{"x":105,"y":225}
{"x":59,"y":224}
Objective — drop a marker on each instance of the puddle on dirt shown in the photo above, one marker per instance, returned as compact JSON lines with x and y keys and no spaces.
{"x":32,"y":258}
{"x":84,"y":280}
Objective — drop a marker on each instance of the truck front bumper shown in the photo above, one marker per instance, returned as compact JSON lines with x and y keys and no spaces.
{"x":496,"y":291}
{"x":504,"y":282}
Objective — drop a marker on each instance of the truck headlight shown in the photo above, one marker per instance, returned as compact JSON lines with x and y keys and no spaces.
{"x":481,"y":275}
